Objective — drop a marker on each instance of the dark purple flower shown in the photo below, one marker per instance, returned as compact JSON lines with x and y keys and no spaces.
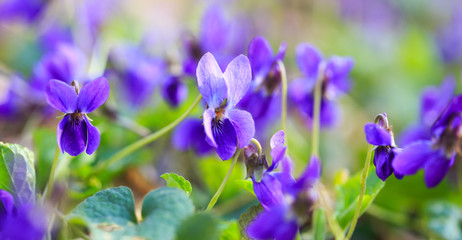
{"x":432,"y":103}
{"x":437,"y":155}
{"x":174,"y":90}
{"x":75,"y":133}
{"x":226,"y":128}
{"x":380,"y":135}
{"x":137,"y":73}
{"x":190,"y":135}
{"x":287,"y":203}
{"x":24,"y":222}
{"x":449,"y":38}
{"x":334,"y":76}
{"x":263,"y":98}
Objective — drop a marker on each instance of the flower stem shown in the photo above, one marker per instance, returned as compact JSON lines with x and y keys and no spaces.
{"x":364,"y":174}
{"x":49,"y":186}
{"x":257,"y":143}
{"x":283,"y":95}
{"x":146,"y":140}
{"x":316,"y":117}
{"x":223,"y":184}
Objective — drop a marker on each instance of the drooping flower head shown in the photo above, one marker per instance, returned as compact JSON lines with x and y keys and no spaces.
{"x":75,"y":133}
{"x":20,"y":222}
{"x":380,"y":134}
{"x":433,"y":101}
{"x":437,"y":155}
{"x":224,"y":125}
{"x":334,"y":76}
{"x":287,"y":204}
{"x":262,"y":100}
{"x":190,"y":135}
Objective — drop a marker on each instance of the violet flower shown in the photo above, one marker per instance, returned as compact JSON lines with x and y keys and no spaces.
{"x":219,"y":35}
{"x":380,"y":135}
{"x":28,"y":10}
{"x":17,"y":222}
{"x":226,"y":128}
{"x":190,"y":135}
{"x":263,"y":98}
{"x":291,"y":205}
{"x":136,"y":72}
{"x":334,"y":76}
{"x":437,"y":155}
{"x":432,"y":103}
{"x":75,"y":133}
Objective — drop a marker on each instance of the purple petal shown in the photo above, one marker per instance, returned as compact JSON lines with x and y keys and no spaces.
{"x":260,"y":55}
{"x":377,"y":135}
{"x":337,"y":70}
{"x":436,"y":169}
{"x":312,"y":172}
{"x":278,"y":154}
{"x":435,"y":99}
{"x":308,"y":60}
{"x":210,"y":81}
{"x":243,"y":124}
{"x":189,"y":135}
{"x":59,"y":131}
{"x":269,"y":191}
{"x":61,"y":96}
{"x":287,"y":231}
{"x":278,"y":139}
{"x":454,"y":106}
{"x":74,"y":137}
{"x":225,"y":137}
{"x":93,"y":94}
{"x":238,"y":76}
{"x":174,"y":91}
{"x":208,"y":117}
{"x":299,"y":89}
{"x":267,"y":223}
{"x":93,"y":137}
{"x":413,"y":157}
{"x":7,"y":201}
{"x":383,"y":158}
{"x":281,"y":52}
{"x":214,"y":30}
{"x":414,"y":133}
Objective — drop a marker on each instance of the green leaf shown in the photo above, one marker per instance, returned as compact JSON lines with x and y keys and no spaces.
{"x":200,"y":226}
{"x":246,"y":184}
{"x":110,"y":214}
{"x":248,"y":217}
{"x":163,"y":210}
{"x":348,"y":194}
{"x":17,"y":173}
{"x":177,"y":181}
{"x":319,"y":225}
{"x":445,"y":220}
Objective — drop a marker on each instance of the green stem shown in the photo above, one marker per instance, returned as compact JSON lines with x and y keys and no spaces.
{"x":257,"y":143}
{"x":146,"y":140}
{"x":364,"y":174}
{"x":223,"y":184}
{"x":283,"y":95}
{"x":49,"y":186}
{"x":316,"y":117}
